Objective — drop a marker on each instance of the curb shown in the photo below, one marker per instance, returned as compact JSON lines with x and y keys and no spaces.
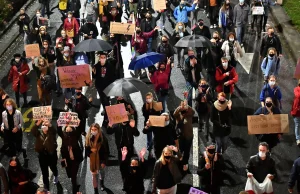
{"x":284,"y":25}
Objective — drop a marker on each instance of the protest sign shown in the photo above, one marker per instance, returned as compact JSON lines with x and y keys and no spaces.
{"x":258,"y":10}
{"x":122,"y":28}
{"x":196,"y":191}
{"x":74,"y":76}
{"x":42,"y":112}
{"x":157,"y":106}
{"x":157,"y":121}
{"x":266,"y":124}
{"x":32,"y":50}
{"x":159,"y":5}
{"x":116,"y":113}
{"x":68,"y":119}
{"x":297,"y":70}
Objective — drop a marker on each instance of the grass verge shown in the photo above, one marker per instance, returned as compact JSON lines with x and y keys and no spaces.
{"x":292,"y":7}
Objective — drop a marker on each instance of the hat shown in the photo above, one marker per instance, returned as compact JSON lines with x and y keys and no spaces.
{"x":66,"y":48}
{"x":89,"y":19}
{"x":17,"y":55}
{"x":211,"y":146}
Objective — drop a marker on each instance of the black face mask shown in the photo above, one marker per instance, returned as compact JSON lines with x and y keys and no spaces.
{"x":192,"y":56}
{"x":269,"y":104}
{"x":216,"y":38}
{"x":183,"y":112}
{"x":162,"y":68}
{"x":164,"y":42}
{"x":271,"y":55}
{"x":272,"y":33}
{"x":138,"y":31}
{"x":78,"y":93}
{"x":121,"y":101}
{"x":134,"y":167}
{"x":167,"y":157}
{"x":201,"y":24}
{"x":69,"y":133}
{"x":14,"y":168}
{"x":211,"y":151}
{"x":221,"y":102}
{"x":204,"y":87}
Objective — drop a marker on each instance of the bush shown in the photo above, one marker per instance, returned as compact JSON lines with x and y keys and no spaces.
{"x":5,"y":11}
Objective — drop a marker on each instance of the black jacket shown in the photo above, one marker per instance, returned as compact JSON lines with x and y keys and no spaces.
{"x":295,"y":175}
{"x":134,"y":182}
{"x":49,"y":54}
{"x":176,"y":37}
{"x":110,"y":18}
{"x":105,"y":74}
{"x":119,"y":130}
{"x":40,"y":38}
{"x":103,"y":152}
{"x":225,"y":118}
{"x":261,"y":168}
{"x":147,"y":113}
{"x":80,"y":106}
{"x":24,"y":23}
{"x":152,"y":23}
{"x":87,"y":28}
{"x":188,"y":71}
{"x":167,"y":50}
{"x":203,"y":32}
{"x":268,"y":42}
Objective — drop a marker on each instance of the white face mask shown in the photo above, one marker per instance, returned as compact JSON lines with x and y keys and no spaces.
{"x":69,"y":16}
{"x":66,"y":54}
{"x":180,"y":27}
{"x":9,"y":107}
{"x":113,"y":12}
{"x":94,"y":132}
{"x":38,"y":15}
{"x":17,"y":60}
{"x":44,"y":128}
{"x":272,"y":83}
{"x":149,"y":100}
{"x":225,"y":64}
{"x":231,"y":39}
{"x":262,"y":154}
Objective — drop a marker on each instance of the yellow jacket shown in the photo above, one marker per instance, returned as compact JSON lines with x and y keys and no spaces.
{"x":101,"y":6}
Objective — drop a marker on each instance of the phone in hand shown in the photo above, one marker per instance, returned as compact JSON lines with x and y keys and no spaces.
{"x":63,"y":163}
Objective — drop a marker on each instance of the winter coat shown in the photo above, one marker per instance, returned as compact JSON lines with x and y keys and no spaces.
{"x":38,"y":71}
{"x":270,"y":66}
{"x":49,"y":54}
{"x":261,"y":168}
{"x":105,"y":74}
{"x":237,"y":50}
{"x":90,"y":9}
{"x":166,"y":50}
{"x":203,"y":102}
{"x":203,"y":32}
{"x":19,"y":176}
{"x":24,"y":24}
{"x":219,"y":119}
{"x":152,"y":23}
{"x":140,"y":44}
{"x":150,"y":111}
{"x":187,"y":119}
{"x":160,"y":80}
{"x":274,"y":93}
{"x":44,"y":142}
{"x":4,"y":179}
{"x":18,"y":120}
{"x":295,"y":112}
{"x":87,"y":28}
{"x":188,"y":71}
{"x":268,"y":42}
{"x":41,"y":37}
{"x":134,"y":182}
{"x":73,"y":24}
{"x":80,"y":106}
{"x":177,"y":35}
{"x":240,"y":14}
{"x":295,"y":175}
{"x":221,"y":78}
{"x":226,"y":20}
{"x":66,"y":42}
{"x":182,"y":15}
{"x":14,"y":77}
{"x":111,"y":18}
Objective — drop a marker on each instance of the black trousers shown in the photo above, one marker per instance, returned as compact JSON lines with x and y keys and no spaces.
{"x":126,"y":162}
{"x":14,"y":141}
{"x":72,"y":170}
{"x":48,"y":160}
{"x":17,"y":94}
{"x":104,"y":101}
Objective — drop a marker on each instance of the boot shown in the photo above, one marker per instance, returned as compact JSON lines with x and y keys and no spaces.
{"x":96,"y":190}
{"x":102,"y":187}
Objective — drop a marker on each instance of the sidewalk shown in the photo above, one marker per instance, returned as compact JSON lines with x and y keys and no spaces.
{"x":284,"y":25}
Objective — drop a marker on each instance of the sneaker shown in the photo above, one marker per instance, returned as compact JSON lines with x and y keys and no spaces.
{"x":215,"y":26}
{"x":298,"y":142}
{"x":55,"y":180}
{"x":211,"y":27}
{"x":242,"y":45}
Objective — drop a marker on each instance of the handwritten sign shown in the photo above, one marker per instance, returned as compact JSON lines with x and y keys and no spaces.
{"x":297,"y":70}
{"x":116,"y":113}
{"x":196,"y":191}
{"x":258,"y":10}
{"x":68,"y":119}
{"x":159,"y":5}
{"x":32,"y":50}
{"x":122,"y":28}
{"x":42,"y":112}
{"x":74,"y":76}
{"x":157,"y":106}
{"x":157,"y":121}
{"x":266,"y":124}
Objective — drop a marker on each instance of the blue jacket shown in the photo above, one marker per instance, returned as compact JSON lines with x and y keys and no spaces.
{"x":271,"y":66}
{"x":295,"y":175}
{"x":182,"y":16}
{"x":267,"y":91}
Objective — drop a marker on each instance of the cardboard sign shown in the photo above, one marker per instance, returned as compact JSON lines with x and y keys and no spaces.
{"x":258,"y":10}
{"x":266,"y":124}
{"x":116,"y":113}
{"x":196,"y":191}
{"x":32,"y":50}
{"x":157,"y":121}
{"x":158,"y":106}
{"x":68,"y":119}
{"x":159,"y":5}
{"x":119,"y":28}
{"x":42,"y":112}
{"x":297,"y":70}
{"x":74,"y":76}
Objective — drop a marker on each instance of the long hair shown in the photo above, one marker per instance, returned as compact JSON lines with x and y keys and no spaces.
{"x":12,"y":101}
{"x":2,"y":92}
{"x":89,"y":134}
{"x":162,"y":158}
{"x":41,"y":58}
{"x":177,"y":29}
{"x":19,"y":166}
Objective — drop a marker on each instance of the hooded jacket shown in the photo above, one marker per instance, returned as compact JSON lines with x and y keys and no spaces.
{"x":295,"y":112}
{"x":221,"y":78}
{"x":181,"y":14}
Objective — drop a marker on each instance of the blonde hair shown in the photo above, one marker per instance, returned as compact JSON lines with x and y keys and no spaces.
{"x":45,"y":61}
{"x":183,"y":27}
{"x":149,"y":94}
{"x":88,"y":136}
{"x":11,"y":101}
{"x":162,"y":157}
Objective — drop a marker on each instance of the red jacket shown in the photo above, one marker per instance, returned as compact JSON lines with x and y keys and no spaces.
{"x":160,"y":80}
{"x":71,"y":25}
{"x":295,"y":112}
{"x":221,"y":78}
{"x":15,"y":78}
{"x":141,"y":41}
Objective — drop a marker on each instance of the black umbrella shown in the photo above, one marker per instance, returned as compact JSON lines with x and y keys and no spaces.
{"x":124,"y":86}
{"x":92,"y":45}
{"x":193,"y":41}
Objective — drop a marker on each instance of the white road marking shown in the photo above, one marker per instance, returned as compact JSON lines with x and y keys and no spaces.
{"x":195,"y":157}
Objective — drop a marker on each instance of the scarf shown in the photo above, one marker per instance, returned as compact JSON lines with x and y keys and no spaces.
{"x":149,"y":106}
{"x":219,"y":106}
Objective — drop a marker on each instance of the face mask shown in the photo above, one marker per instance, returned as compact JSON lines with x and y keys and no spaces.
{"x":63,"y":35}
{"x":201,"y":24}
{"x":14,"y":168}
{"x":149,"y":100}
{"x":69,"y":16}
{"x":38,"y":15}
{"x":262,"y":154}
{"x":204,"y":87}
{"x":221,"y":101}
{"x":138,"y":31}
{"x":94,"y":132}
{"x":231,"y":39}
{"x":66,"y":54}
{"x":272,"y":33}
{"x":113,"y":12}
{"x":167,"y":157}
{"x":272,"y":83}
{"x":44,"y":128}
{"x":45,"y":46}
{"x":102,"y":61}
{"x":192,"y":56}
{"x":78,"y":93}
{"x":269,"y":104}
{"x":224,"y":64}
{"x":42,"y":32}
{"x":17,"y":60}
{"x":271,"y":55}
{"x":167,"y":123}
{"x":134,"y":167}
{"x":180,"y":27}
{"x":9,"y":107}
{"x":162,"y":68}
{"x":148,"y":17}
{"x":216,"y":38}
{"x":211,"y":151}
{"x":164,"y":42}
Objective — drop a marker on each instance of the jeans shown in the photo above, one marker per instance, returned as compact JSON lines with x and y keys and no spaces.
{"x":149,"y":44}
{"x":297,"y":122}
{"x":190,"y":94}
{"x":185,"y":148}
{"x":241,"y":30}
{"x":163,"y":99}
{"x":45,"y":8}
{"x":149,"y":141}
{"x":221,"y":143}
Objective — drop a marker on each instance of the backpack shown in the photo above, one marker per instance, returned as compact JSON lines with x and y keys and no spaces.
{"x":277,"y":62}
{"x":62,"y":5}
{"x":49,"y":82}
